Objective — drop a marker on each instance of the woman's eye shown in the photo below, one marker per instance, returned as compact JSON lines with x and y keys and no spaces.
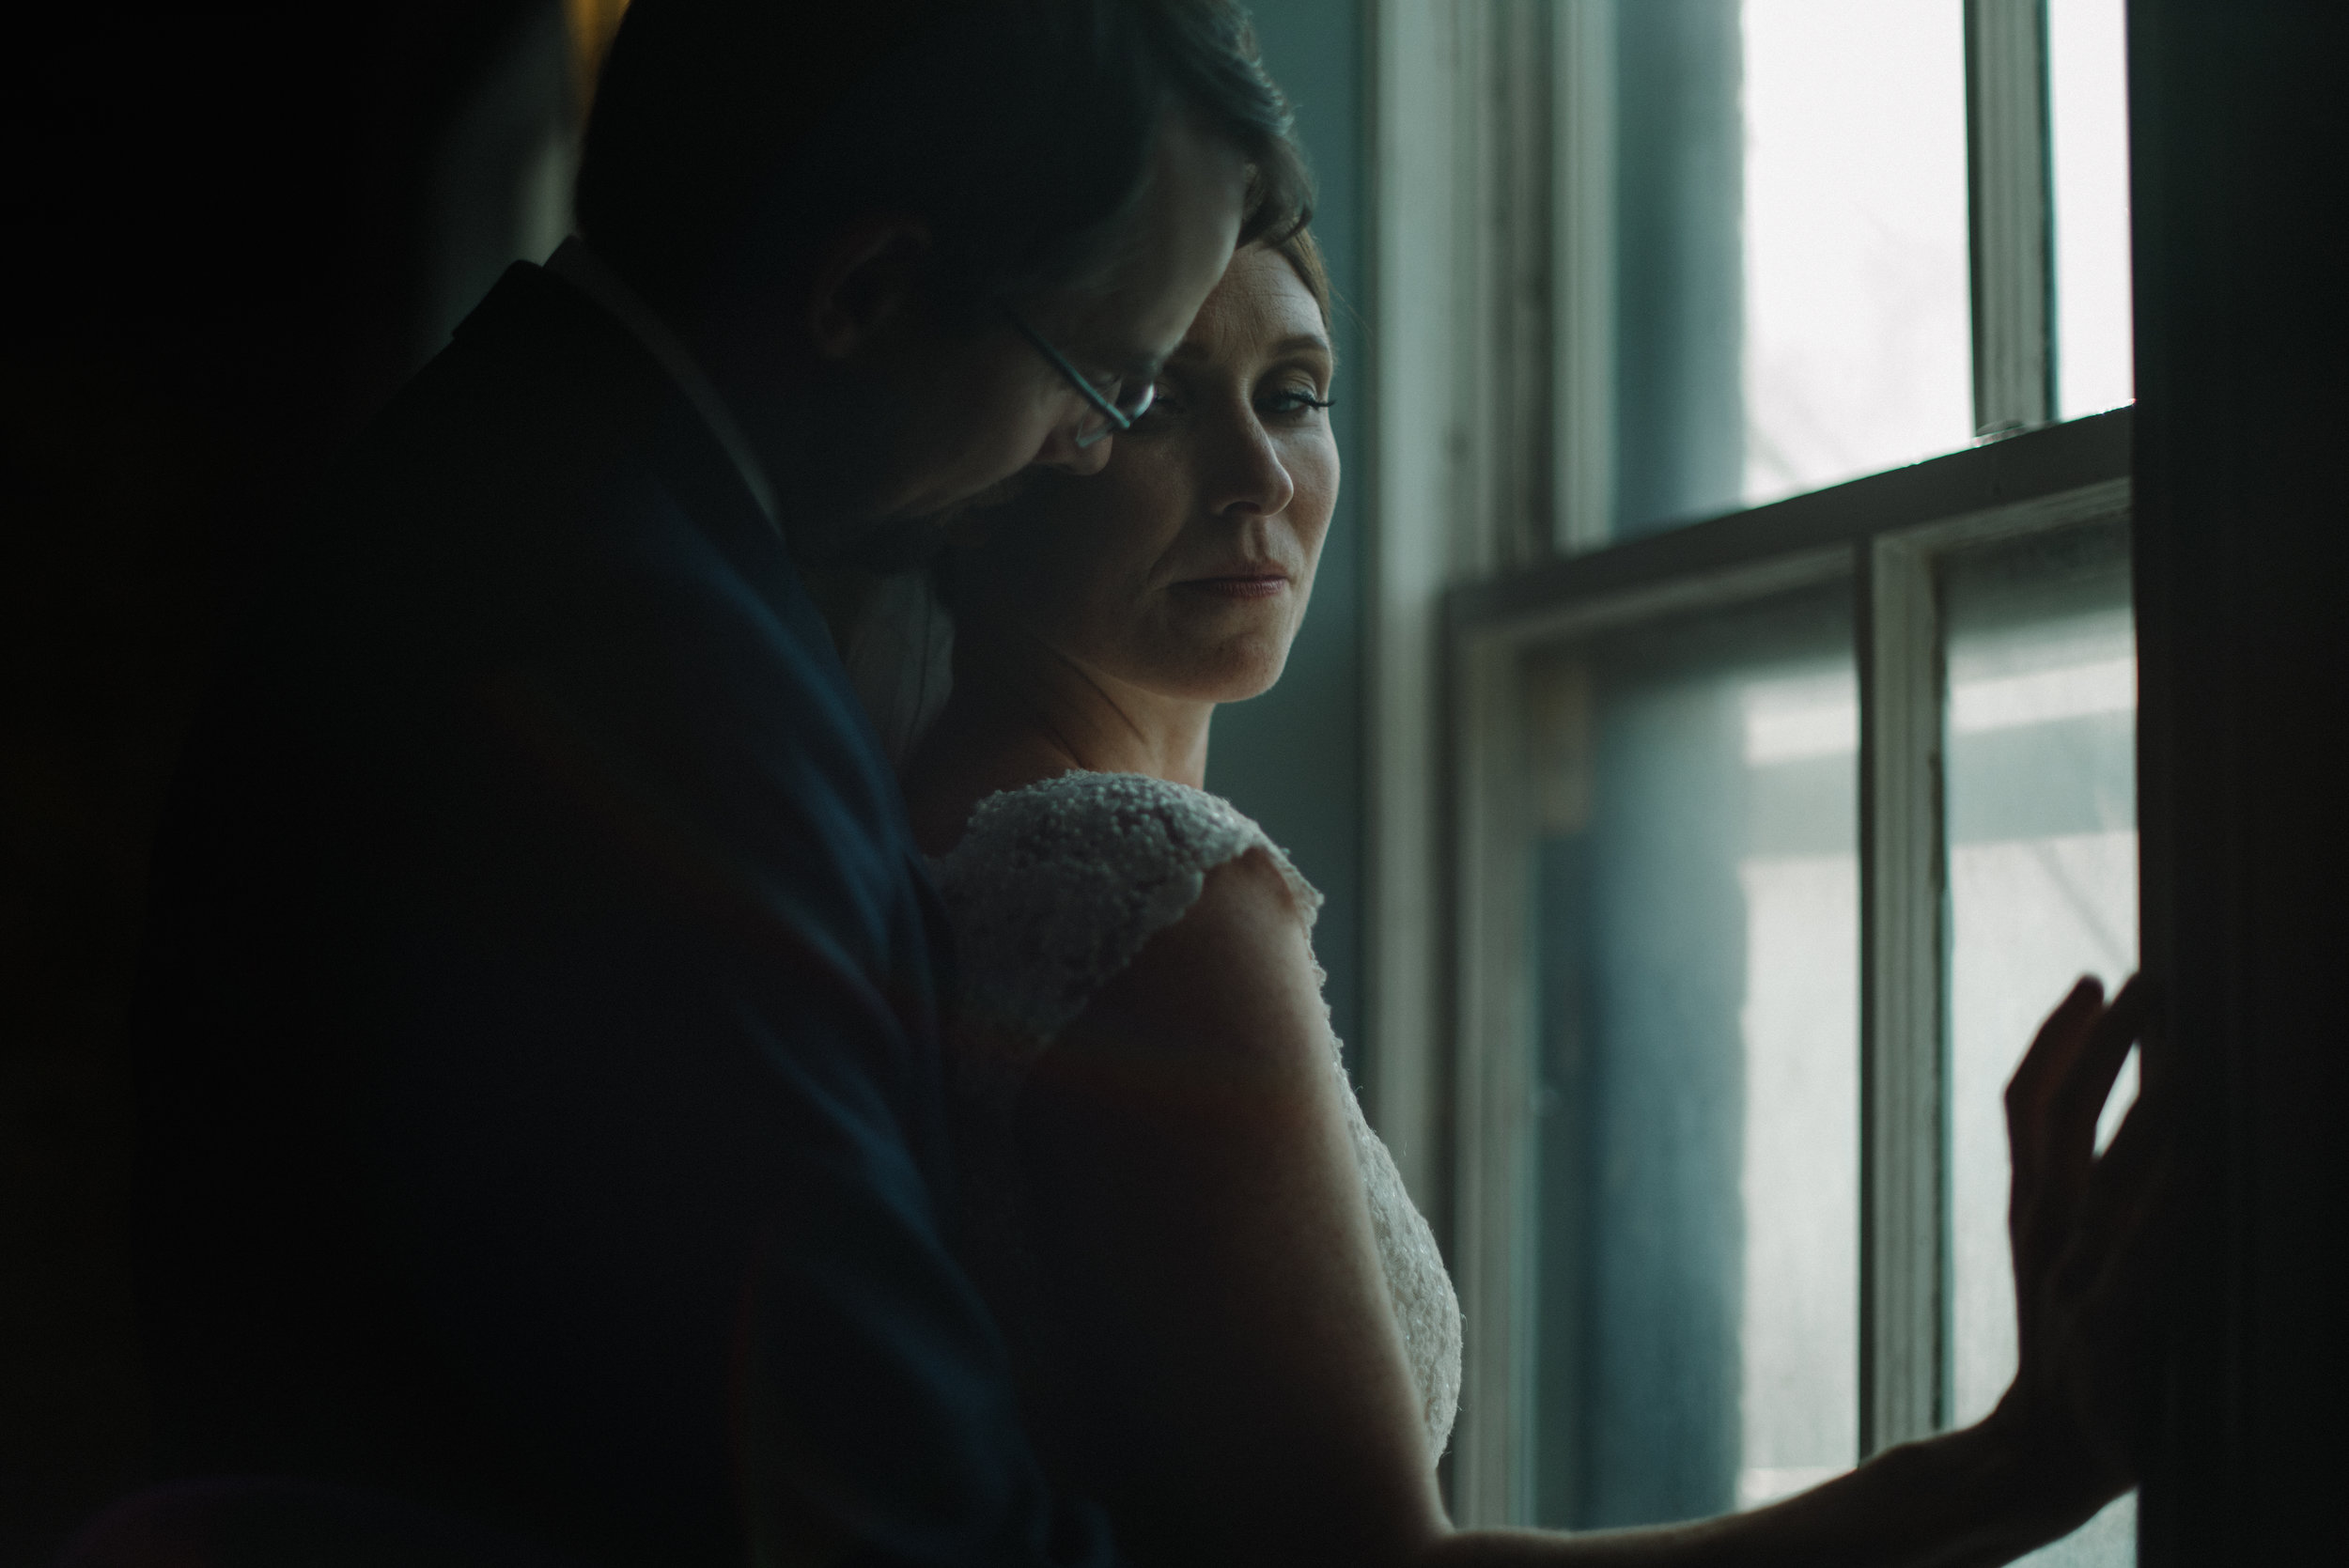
{"x":1293,"y":401}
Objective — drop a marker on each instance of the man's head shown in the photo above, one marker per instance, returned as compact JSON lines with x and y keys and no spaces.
{"x":841,"y":206}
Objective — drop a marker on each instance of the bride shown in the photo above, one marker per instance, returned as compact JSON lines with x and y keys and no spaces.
{"x":1232,"y":1326}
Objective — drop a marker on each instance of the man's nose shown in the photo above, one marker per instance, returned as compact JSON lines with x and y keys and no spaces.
{"x":1060,"y":450}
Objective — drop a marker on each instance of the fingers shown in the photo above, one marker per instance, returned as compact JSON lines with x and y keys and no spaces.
{"x":2056,"y":1095}
{"x":2132,"y":1178}
{"x":2092,"y":1236}
{"x":2058,"y":1043}
{"x":2114,"y":1276}
{"x":2077,"y":1098}
{"x":2125,"y":1223}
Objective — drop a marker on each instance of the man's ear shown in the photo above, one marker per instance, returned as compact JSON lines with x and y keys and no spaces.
{"x":867,"y":286}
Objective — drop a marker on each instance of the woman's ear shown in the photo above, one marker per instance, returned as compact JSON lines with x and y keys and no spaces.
{"x":868,"y":282}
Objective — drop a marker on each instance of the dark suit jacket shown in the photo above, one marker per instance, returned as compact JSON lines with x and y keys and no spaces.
{"x":541,"y":1104}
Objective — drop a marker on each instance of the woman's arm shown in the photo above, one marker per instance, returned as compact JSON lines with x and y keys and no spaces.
{"x":1238,"y":1384}
{"x":2086,"y":1233}
{"x":1959,"y":1501}
{"x":1241,"y":1387}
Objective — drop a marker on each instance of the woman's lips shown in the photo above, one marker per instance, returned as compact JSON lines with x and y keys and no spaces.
{"x":1241,"y":584}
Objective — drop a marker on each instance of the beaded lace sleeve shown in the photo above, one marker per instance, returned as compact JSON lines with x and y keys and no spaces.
{"x":1056,"y":888}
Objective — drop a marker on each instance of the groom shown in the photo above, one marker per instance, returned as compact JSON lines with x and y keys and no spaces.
{"x":538,"y":1032}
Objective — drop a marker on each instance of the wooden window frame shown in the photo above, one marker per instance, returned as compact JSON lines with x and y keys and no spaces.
{"x":2237,"y":550}
{"x":1490,"y":292}
{"x":1887,"y":537}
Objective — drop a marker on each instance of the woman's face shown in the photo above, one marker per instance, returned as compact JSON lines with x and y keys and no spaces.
{"x":1184,"y":567}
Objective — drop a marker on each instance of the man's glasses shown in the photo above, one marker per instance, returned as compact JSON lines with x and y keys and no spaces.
{"x":1116,"y":410}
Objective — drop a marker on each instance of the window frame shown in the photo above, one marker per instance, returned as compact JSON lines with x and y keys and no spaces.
{"x":1886,"y":536}
{"x":1489,"y":453}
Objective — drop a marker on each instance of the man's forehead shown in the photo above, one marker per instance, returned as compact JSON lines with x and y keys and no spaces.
{"x":1112,"y":341}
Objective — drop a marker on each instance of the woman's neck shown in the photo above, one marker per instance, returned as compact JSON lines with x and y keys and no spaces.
{"x":1021,"y":714}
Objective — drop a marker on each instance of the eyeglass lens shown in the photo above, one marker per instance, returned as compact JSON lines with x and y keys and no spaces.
{"x":1114,"y":408}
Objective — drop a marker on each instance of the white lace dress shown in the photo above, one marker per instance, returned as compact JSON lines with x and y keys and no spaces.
{"x":1052,"y":891}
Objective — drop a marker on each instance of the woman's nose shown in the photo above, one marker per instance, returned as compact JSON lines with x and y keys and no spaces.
{"x":1251,"y":476}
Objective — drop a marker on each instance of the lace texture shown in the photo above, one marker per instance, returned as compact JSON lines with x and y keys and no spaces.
{"x":1052,"y":891}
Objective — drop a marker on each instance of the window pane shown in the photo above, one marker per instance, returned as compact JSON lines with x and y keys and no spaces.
{"x":1789,"y":243}
{"x":2088,"y":110}
{"x":1696,"y":1184}
{"x":2041,"y":737}
{"x":1857,"y":332}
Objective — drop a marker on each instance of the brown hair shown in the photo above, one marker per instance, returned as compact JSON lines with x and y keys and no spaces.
{"x":729,"y":136}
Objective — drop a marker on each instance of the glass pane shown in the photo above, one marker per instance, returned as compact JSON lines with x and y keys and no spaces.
{"x":1789,"y":245}
{"x":2088,"y":110}
{"x":1858,"y":329}
{"x":1695,"y":887}
{"x":2041,"y":813}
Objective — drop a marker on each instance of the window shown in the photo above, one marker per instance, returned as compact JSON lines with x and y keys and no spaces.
{"x":1776,"y":846}
{"x":1692,"y":880}
{"x":1768,"y":202}
{"x":2089,"y":137}
{"x":2039,"y":800}
{"x":1789,"y":785}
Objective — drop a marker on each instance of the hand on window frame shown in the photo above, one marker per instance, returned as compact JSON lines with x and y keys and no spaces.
{"x":2088,"y":1233}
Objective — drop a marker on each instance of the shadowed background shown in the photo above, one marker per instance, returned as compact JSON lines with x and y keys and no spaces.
{"x":244,"y":232}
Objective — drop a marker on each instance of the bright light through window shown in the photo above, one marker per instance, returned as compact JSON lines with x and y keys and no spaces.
{"x":2041,"y":889}
{"x":1799,"y":1187}
{"x":1696,"y":1239}
{"x":2088,"y":94}
{"x":1858,"y":339}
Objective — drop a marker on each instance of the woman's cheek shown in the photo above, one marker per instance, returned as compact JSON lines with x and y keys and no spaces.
{"x":1084,"y":586}
{"x":1150,"y":506}
{"x":1316,"y":475}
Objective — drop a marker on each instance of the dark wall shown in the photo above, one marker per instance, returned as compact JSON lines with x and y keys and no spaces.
{"x":1293,"y":758}
{"x":2242,"y":559}
{"x":224,"y":218}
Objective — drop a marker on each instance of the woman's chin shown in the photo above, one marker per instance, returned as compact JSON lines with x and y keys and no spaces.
{"x":1227,"y":672}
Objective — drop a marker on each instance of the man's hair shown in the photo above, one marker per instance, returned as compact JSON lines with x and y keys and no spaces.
{"x":729,"y":137}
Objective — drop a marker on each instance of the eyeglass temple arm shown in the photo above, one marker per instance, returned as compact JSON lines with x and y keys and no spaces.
{"x":1091,"y":394}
